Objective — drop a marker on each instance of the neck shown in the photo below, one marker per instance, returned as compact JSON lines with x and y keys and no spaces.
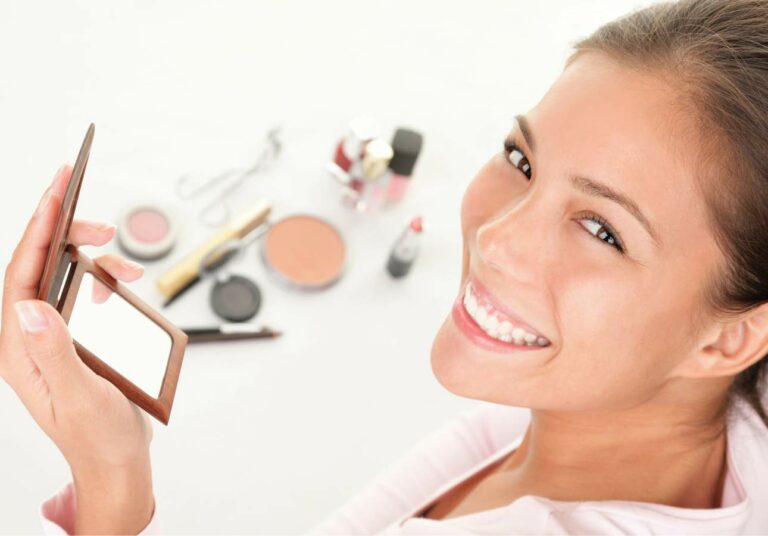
{"x":669,"y":451}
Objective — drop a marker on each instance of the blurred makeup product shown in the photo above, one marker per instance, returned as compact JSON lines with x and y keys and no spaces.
{"x":230,"y":332}
{"x":304,"y":252}
{"x":350,"y":147}
{"x":366,"y":186}
{"x":406,"y":144}
{"x":405,"y":250}
{"x":147,"y":231}
{"x":217,"y":211}
{"x":376,"y":156}
{"x":235,"y":298}
{"x":368,"y":177}
{"x":185,"y":273}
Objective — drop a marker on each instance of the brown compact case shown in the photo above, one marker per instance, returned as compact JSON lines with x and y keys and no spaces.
{"x":64,"y":269}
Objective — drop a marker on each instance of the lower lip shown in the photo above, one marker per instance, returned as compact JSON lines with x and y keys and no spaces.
{"x":475,"y":333}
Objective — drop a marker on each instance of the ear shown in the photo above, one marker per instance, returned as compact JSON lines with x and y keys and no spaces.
{"x":728,"y":347}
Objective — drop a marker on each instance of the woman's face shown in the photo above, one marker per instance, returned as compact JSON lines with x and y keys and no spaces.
{"x":617,"y":322}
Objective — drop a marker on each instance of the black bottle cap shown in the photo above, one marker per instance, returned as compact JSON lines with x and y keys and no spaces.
{"x":406,"y":144}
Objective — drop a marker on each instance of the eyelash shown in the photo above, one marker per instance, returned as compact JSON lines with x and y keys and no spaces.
{"x":617,"y":244}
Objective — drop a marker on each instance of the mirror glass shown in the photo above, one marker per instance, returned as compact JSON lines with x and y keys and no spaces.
{"x":120,"y":335}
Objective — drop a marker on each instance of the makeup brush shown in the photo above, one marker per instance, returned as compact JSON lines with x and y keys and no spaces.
{"x":230,"y":332}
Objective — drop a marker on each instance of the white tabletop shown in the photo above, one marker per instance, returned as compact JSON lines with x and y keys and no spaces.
{"x":269,"y":436}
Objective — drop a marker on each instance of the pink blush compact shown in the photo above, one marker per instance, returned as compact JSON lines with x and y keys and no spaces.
{"x":147,"y":231}
{"x":147,"y":225}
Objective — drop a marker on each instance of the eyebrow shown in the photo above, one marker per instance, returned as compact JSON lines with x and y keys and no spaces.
{"x":592,"y":187}
{"x":595,"y":188}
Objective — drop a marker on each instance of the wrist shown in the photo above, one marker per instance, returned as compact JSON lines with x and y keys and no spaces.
{"x":114,"y":500}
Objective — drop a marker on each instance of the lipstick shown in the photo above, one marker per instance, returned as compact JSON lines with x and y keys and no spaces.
{"x":406,"y":249}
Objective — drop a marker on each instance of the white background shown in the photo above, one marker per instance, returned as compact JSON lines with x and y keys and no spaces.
{"x":271,"y":436}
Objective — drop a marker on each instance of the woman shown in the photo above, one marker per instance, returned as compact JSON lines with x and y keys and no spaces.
{"x":615,"y":282}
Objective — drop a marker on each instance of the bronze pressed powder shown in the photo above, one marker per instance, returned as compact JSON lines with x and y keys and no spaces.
{"x":304,"y":251}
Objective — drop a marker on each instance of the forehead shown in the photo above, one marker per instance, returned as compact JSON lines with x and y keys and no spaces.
{"x":626,"y":128}
{"x":632,"y":119}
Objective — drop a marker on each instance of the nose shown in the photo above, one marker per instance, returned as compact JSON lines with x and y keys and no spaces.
{"x":513,"y":241}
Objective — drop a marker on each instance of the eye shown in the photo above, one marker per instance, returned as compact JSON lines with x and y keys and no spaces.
{"x":599,"y":227}
{"x":603,"y":231}
{"x":516,"y":157}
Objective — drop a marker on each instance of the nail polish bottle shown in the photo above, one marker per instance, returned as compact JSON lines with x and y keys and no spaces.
{"x":405,"y":249}
{"x":369,"y":177}
{"x":406,"y":144}
{"x":350,"y":148}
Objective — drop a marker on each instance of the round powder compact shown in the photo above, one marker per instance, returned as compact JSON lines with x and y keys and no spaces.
{"x":235,"y":298}
{"x":304,"y":252}
{"x":147,"y":231}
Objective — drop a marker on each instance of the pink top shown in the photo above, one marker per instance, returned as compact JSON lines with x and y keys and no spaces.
{"x":477,"y":438}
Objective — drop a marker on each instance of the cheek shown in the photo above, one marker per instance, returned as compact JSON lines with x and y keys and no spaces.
{"x":615,"y":352}
{"x":621,"y":338}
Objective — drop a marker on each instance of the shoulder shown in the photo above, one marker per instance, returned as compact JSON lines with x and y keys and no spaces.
{"x":748,"y":451}
{"x":746,"y":430}
{"x":748,"y":442}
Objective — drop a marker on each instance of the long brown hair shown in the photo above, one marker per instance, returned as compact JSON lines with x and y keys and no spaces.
{"x":716,"y":53}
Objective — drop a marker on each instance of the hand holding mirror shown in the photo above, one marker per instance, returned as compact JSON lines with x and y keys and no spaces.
{"x":119,"y":336}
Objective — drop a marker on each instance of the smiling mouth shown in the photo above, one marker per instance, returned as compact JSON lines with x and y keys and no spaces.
{"x":496,"y":324}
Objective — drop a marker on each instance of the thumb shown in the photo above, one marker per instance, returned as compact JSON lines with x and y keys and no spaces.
{"x":48,"y":344}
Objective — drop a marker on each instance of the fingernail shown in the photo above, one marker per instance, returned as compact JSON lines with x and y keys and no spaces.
{"x":103,"y":226}
{"x":44,"y":202}
{"x":30,"y":316}
{"x":58,"y":174}
{"x":132,"y":265}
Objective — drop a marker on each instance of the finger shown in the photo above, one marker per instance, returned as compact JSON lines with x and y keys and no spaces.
{"x":120,"y":267}
{"x":90,"y":233}
{"x":117,"y":267}
{"x":100,"y":292}
{"x":26,"y":266}
{"x":48,"y":344}
{"x":61,"y":181}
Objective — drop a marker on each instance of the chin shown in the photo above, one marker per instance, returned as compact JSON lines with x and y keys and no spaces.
{"x":448,"y":366}
{"x":455,"y":365}
{"x":470,"y":372}
{"x":445,"y":359}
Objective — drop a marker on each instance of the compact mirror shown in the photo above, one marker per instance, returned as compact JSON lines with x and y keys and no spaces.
{"x":126,"y":339}
{"x":115,"y":333}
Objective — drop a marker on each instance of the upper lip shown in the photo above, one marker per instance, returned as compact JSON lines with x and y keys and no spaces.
{"x":481,"y":289}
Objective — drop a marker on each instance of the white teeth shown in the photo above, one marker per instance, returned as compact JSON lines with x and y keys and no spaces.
{"x":517,"y":335}
{"x":496,"y":328}
{"x":470,"y":303}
